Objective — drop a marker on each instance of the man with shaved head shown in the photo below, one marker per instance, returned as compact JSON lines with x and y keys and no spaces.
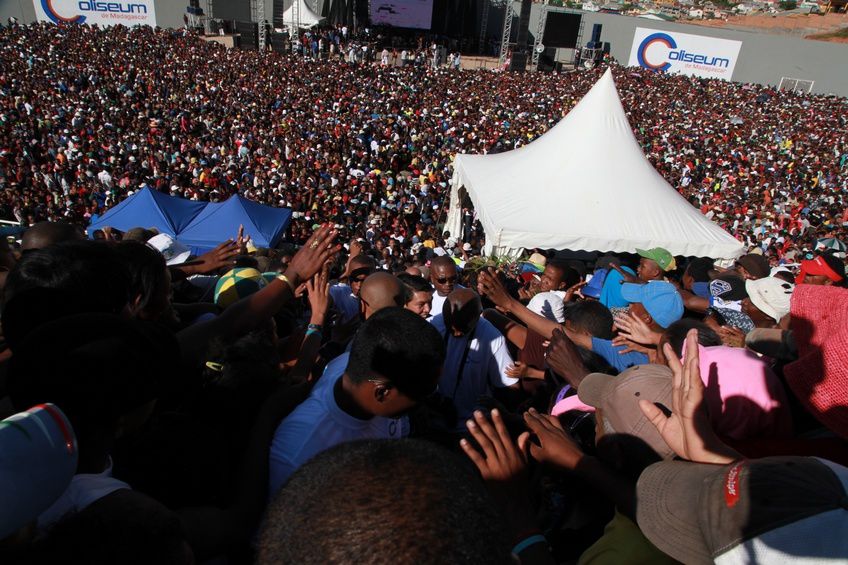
{"x":477,"y":357}
{"x":378,"y":291}
{"x":381,"y":290}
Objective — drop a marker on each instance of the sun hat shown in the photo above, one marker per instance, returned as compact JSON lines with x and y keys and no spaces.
{"x":595,"y":286}
{"x":770,"y":510}
{"x":548,"y":305}
{"x":771,"y":295}
{"x":618,"y":399}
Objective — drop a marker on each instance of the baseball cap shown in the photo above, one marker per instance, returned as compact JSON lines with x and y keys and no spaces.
{"x":660,"y":299}
{"x":611,"y":291}
{"x":38,"y":459}
{"x":771,"y":295}
{"x":820,"y":266}
{"x":729,"y":288}
{"x":173,"y":251}
{"x":770,"y":510}
{"x":596,"y":285}
{"x":660,"y":256}
{"x":549,"y":305}
{"x":755,"y":264}
{"x":618,"y":399}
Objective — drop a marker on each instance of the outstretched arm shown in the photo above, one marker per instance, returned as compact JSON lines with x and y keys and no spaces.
{"x":488,"y":284}
{"x":251,"y":311}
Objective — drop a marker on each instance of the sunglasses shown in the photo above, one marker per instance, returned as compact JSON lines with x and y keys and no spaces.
{"x":445,"y":280}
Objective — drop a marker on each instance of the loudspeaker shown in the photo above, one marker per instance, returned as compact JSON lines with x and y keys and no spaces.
{"x":279,"y":42}
{"x":249,"y":35}
{"x":546,"y":60}
{"x":519,"y":54}
{"x":518,"y":62}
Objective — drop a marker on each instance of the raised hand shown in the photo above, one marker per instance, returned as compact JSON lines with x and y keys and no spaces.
{"x":318,"y":291}
{"x":633,"y":328}
{"x":355,"y":248}
{"x":489,"y":285}
{"x":555,"y":445}
{"x":501,"y":459}
{"x":564,"y":359}
{"x":572,"y":290}
{"x":220,"y":257}
{"x":242,"y":240}
{"x":311,"y":257}
{"x":687,"y":431}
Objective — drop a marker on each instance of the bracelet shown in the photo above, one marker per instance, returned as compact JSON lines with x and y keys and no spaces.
{"x":286,"y":280}
{"x":525,"y":534}
{"x":310,"y":332}
{"x":532,"y":540}
{"x":316,"y":327}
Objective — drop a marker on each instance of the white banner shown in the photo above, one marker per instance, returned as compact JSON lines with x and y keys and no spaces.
{"x":100,"y":12}
{"x":694,"y":55}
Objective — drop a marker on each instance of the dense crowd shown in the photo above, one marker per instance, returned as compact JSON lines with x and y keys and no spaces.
{"x":373,"y":390}
{"x":91,"y":115}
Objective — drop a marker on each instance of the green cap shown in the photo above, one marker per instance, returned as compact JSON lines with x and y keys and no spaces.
{"x":660,"y":256}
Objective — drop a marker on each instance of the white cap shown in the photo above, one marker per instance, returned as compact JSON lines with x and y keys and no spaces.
{"x":173,"y":251}
{"x":771,"y":295}
{"x":549,"y":305}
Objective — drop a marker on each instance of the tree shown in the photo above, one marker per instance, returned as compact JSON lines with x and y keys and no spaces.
{"x":788,"y":4}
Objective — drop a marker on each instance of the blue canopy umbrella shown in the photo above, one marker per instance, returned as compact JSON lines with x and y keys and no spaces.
{"x":218,"y":221}
{"x":149,"y":209}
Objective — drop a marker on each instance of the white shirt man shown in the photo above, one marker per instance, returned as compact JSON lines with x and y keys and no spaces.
{"x":484,"y":369}
{"x":105,"y":178}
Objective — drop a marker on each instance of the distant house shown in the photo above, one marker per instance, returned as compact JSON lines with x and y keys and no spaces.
{"x":590,"y":6}
{"x":658,"y":16}
{"x":744,"y":9}
{"x":696,"y":13}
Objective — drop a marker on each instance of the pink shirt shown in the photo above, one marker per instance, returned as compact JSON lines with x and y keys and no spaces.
{"x":745,"y":399}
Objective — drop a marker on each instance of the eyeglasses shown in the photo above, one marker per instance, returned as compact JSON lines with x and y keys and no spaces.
{"x":445,"y":280}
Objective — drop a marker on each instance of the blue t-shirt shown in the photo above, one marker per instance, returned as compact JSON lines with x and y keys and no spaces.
{"x":620,"y":361}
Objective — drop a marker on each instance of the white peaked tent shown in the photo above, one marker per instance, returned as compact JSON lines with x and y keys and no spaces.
{"x":583,"y":185}
{"x":308,"y":18}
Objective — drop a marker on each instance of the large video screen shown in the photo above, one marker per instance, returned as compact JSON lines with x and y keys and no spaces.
{"x":561,"y":30}
{"x":416,"y":14}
